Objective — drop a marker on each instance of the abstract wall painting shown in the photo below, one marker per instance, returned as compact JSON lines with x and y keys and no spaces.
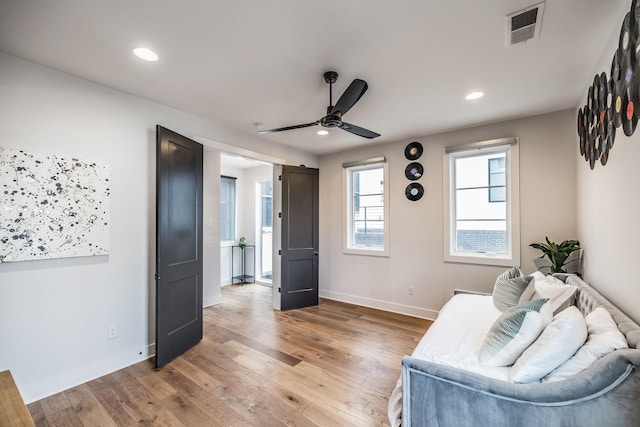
{"x":52,"y":207}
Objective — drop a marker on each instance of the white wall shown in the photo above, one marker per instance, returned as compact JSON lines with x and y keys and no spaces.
{"x":54,"y":313}
{"x":211,"y":236}
{"x":547,"y":208}
{"x":608,"y":204}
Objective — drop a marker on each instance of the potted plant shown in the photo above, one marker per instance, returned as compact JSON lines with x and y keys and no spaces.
{"x":558,"y":255}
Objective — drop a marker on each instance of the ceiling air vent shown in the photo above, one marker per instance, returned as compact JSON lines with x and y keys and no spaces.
{"x":524,"y":24}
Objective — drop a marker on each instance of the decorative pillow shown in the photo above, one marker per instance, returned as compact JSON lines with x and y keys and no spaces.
{"x":560,"y":294}
{"x":527,"y":295}
{"x":604,"y":337}
{"x":509,"y":287}
{"x":514,"y":331}
{"x":557,"y":343}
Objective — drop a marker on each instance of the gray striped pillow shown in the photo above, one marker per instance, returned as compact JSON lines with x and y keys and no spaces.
{"x":514,"y":331}
{"x":509,"y":287}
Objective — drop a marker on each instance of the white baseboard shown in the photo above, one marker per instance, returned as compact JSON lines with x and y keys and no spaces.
{"x":82,"y":374}
{"x":409,"y":310}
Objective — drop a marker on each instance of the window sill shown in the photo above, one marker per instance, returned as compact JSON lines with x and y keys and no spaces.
{"x":366,"y":252}
{"x":483,"y":259}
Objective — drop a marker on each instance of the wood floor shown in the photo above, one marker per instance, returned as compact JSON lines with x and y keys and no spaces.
{"x":330,"y":365}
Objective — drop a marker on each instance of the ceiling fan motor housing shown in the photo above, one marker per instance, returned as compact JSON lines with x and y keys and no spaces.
{"x":331,"y":121}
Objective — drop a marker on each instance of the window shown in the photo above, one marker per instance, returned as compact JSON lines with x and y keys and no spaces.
{"x":227,"y":208}
{"x":367,"y":214}
{"x":497,"y":180}
{"x":482,"y":203}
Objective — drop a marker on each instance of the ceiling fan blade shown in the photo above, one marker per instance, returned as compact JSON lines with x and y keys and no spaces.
{"x":357,"y":130}
{"x":306,"y":125}
{"x":354,"y":92}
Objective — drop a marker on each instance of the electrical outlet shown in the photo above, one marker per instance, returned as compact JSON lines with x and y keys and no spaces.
{"x":112,"y":331}
{"x":410,"y":290}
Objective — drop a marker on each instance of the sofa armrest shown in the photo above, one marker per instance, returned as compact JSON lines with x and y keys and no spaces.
{"x":604,"y":394}
{"x":464,"y":291}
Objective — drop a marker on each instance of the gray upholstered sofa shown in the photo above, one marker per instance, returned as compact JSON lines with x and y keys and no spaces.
{"x":605,"y":394}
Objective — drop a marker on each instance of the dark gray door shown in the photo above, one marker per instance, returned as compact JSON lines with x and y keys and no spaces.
{"x":178,"y":245}
{"x":299,"y":260}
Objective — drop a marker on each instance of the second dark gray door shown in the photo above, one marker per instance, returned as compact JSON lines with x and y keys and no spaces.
{"x":299,"y":260}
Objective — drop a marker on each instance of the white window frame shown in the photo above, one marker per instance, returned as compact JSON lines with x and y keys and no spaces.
{"x":512,"y":158}
{"x":347,"y":172}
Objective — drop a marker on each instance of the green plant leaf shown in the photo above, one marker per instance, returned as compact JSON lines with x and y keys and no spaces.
{"x":557,"y":253}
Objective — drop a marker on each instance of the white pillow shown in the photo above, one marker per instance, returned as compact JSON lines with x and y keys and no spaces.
{"x":604,"y":337}
{"x":560,"y":294}
{"x":556,"y":344}
{"x":514,"y":331}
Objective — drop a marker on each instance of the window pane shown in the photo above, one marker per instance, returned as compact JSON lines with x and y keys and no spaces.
{"x":227,"y":208}
{"x":481,"y":236}
{"x":473,"y":204}
{"x":267,"y":198}
{"x":497,"y":178}
{"x":496,"y":165}
{"x":480,"y":221}
{"x":497,"y":194}
{"x":472,"y":172}
{"x":368,"y":207}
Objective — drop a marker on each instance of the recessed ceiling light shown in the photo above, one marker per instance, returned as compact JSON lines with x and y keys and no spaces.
{"x":146,"y":54}
{"x":474,"y":95}
{"x":323,"y":132}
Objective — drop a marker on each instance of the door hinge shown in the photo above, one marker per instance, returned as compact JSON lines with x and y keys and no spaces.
{"x":279,"y":251}
{"x":279,"y":214}
{"x":279,"y":290}
{"x":156,"y":277}
{"x":279,"y":177}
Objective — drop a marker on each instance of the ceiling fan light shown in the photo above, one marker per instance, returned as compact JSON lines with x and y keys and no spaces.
{"x":474,"y":95}
{"x":323,"y":132}
{"x":145,"y":54}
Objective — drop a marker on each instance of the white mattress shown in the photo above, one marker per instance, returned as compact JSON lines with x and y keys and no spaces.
{"x":456,"y":336}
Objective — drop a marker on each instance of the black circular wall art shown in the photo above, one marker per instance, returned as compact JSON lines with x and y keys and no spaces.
{"x":414,"y":191}
{"x":613,"y":102}
{"x":413,"y":151}
{"x":413,"y":171}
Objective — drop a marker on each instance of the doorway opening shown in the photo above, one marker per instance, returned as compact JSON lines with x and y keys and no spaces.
{"x":246,"y":245}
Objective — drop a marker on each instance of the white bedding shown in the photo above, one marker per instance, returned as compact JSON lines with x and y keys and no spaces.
{"x":457,"y":335}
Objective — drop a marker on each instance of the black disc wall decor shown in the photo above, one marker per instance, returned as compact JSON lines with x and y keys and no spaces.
{"x":414,"y":191}
{"x":614,"y":101}
{"x":413,"y":151}
{"x":413,"y":171}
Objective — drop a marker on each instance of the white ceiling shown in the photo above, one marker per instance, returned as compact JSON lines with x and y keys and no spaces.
{"x":240,"y":62}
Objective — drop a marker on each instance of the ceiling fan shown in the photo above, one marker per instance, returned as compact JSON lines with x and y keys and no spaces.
{"x":333,"y":119}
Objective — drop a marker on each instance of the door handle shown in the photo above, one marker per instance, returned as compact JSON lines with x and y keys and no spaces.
{"x":315,"y":253}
